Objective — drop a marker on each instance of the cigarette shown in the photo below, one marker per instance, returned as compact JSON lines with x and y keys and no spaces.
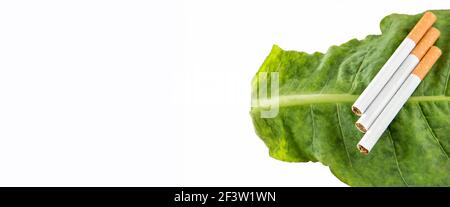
{"x":374,"y":133}
{"x":392,"y":64}
{"x":405,"y":69}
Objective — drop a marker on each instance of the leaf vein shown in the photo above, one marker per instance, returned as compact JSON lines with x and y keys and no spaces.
{"x":304,"y":99}
{"x":446,"y":81}
{"x":343,"y":140}
{"x":314,"y":133}
{"x":359,"y":69}
{"x":395,"y":157}
{"x":430,"y":130}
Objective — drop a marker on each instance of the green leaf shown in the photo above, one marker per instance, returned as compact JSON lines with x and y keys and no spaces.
{"x":315,"y":122}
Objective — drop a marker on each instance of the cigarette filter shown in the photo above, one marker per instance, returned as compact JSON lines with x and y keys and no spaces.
{"x":382,"y":99}
{"x":392,"y":64}
{"x":395,"y":104}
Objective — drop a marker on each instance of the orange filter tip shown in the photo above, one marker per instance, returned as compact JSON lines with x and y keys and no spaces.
{"x":426,"y":42}
{"x":422,"y":26}
{"x":427,"y":62}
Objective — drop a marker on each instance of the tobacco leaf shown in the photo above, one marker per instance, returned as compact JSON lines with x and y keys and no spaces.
{"x":315,"y":122}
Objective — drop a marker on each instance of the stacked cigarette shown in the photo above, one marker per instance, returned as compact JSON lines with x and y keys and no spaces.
{"x":396,"y":81}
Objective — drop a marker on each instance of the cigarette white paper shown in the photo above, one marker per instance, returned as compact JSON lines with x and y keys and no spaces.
{"x":389,"y":112}
{"x":383,"y":76}
{"x":388,"y":91}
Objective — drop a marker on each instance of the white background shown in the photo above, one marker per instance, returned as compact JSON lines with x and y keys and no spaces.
{"x":156,"y":93}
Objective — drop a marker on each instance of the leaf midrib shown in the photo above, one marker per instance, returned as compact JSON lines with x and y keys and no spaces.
{"x":294,"y":100}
